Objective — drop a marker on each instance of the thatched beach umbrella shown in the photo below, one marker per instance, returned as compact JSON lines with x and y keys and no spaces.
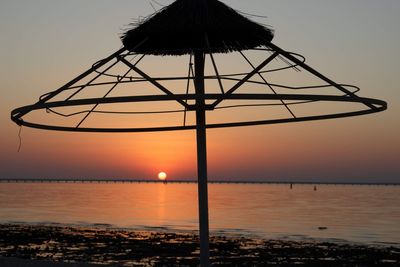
{"x":196,"y":28}
{"x":199,"y":27}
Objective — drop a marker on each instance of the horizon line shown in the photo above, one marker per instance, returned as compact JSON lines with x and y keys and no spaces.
{"x":75,"y":180}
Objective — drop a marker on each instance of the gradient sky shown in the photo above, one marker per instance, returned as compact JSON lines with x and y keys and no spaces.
{"x":45,"y":43}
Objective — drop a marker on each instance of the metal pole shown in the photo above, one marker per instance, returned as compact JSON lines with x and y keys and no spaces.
{"x":201,"y":158}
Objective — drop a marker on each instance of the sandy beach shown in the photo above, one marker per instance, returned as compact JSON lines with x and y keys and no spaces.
{"x":16,"y":262}
{"x":36,"y":245}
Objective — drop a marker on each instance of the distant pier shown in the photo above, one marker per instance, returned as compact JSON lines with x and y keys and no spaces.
{"x":104,"y":181}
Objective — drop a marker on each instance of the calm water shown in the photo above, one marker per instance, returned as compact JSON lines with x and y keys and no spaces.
{"x":366,"y":214}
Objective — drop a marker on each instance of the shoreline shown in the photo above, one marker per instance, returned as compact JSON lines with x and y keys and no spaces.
{"x":230,"y":233}
{"x":117,"y":247}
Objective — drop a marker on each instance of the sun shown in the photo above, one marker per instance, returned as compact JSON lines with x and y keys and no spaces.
{"x":162,"y":176}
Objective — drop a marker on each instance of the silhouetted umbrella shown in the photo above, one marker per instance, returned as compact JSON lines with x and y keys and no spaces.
{"x":199,"y":27}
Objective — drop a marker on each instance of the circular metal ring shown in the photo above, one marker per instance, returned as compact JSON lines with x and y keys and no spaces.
{"x":373,"y":105}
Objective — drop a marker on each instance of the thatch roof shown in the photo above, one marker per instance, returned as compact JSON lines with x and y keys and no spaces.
{"x":182,"y":26}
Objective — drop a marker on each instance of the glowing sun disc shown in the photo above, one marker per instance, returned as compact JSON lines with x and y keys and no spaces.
{"x":162,"y":176}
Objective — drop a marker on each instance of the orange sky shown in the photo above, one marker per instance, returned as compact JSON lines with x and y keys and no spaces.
{"x":40,"y":52}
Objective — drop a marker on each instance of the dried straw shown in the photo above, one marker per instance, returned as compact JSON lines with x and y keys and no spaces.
{"x":185,"y":26}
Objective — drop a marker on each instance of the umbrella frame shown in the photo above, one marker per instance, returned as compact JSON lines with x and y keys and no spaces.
{"x":200,"y":107}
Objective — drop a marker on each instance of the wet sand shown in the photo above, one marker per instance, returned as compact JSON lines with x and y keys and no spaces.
{"x":16,"y":262}
{"x":34,"y":245}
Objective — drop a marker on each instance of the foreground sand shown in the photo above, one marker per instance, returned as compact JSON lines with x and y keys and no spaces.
{"x":33,"y":245}
{"x":16,"y":262}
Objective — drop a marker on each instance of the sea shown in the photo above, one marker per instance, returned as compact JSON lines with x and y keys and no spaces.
{"x":364,"y":214}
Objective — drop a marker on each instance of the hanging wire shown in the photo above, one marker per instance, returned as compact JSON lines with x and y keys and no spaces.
{"x":20,"y":139}
{"x":356,"y":89}
{"x":120,"y":79}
